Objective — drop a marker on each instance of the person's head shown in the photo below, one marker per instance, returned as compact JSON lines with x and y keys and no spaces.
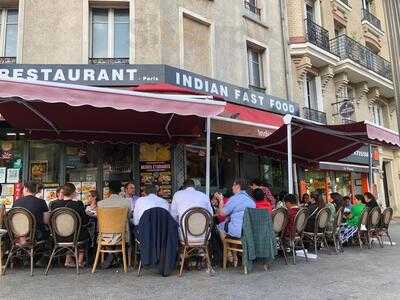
{"x":93,"y":197}
{"x":305,"y":198}
{"x":360,"y":198}
{"x":239,"y":185}
{"x":40,"y":187}
{"x":258,"y":195}
{"x":130,"y":189}
{"x":60,"y":193}
{"x":255,"y":183}
{"x":150,"y":189}
{"x":30,"y":188}
{"x":336,"y":199}
{"x":188,"y":183}
{"x":317,"y":199}
{"x":290,"y":200}
{"x":369,"y":197}
{"x":346,"y":200}
{"x":114,"y":186}
{"x":69,"y":191}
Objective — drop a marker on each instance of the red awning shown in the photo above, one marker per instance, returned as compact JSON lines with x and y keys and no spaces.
{"x":82,"y":113}
{"x":312,"y":143}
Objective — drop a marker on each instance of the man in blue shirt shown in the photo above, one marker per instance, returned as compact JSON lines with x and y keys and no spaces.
{"x":234,"y":209}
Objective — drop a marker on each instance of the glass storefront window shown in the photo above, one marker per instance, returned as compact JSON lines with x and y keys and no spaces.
{"x":316,"y":182}
{"x":342,"y":183}
{"x":44,"y":165}
{"x":11,"y":156}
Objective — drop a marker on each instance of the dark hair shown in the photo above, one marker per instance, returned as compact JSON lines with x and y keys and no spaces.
{"x":188,"y":183}
{"x":59,"y":189}
{"x":360,"y":198}
{"x":69,"y":189}
{"x":31,"y":186}
{"x":114,"y":186}
{"x":256,"y":182}
{"x":338,"y":200}
{"x":240,"y":182}
{"x":94,"y":194}
{"x":370,"y":196}
{"x":318,"y":199}
{"x":303,"y":200}
{"x":128,"y":183}
{"x":39,"y":187}
{"x":258,"y":195}
{"x":345,"y":200}
{"x":290,"y":198}
{"x":150,"y":189}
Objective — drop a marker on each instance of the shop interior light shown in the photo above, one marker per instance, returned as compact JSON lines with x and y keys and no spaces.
{"x":11,"y":134}
{"x":219,"y":138}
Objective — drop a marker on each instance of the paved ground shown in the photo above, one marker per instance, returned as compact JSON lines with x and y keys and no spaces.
{"x":368,"y":274}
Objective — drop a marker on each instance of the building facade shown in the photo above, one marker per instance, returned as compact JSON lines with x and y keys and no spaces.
{"x":342,"y":68}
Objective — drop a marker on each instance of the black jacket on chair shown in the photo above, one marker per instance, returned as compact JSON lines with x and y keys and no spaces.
{"x":158,"y":238}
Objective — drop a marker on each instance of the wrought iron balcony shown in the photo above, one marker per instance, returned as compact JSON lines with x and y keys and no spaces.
{"x":108,"y":61}
{"x":345,"y":2}
{"x":317,"y":35}
{"x":314,"y":115}
{"x":368,"y":16}
{"x":345,"y":47}
{"x":252,"y":8}
{"x":8,"y":60}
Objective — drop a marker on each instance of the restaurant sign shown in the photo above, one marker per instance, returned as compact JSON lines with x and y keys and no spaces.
{"x":361,"y":157}
{"x":131,"y":75}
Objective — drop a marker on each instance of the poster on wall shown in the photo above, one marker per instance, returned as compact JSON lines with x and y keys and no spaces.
{"x":39,"y":170}
{"x":7,"y":190}
{"x":7,"y":201}
{"x":50,"y":194}
{"x":12,"y":175}
{"x":3,"y":175}
{"x":155,"y":168}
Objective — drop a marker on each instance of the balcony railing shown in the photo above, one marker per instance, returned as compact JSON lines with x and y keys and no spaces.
{"x":8,"y":60}
{"x":108,"y":61}
{"x":345,"y":47}
{"x":314,"y":115}
{"x":367,"y":16}
{"x":317,"y":35}
{"x":252,"y":8}
{"x":345,"y":2}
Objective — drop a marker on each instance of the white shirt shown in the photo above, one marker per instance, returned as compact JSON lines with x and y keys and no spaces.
{"x":144,"y":203}
{"x":186,"y":199}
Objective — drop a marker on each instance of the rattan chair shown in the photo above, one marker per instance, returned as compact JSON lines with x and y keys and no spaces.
{"x":279,"y":222}
{"x":21,"y":228}
{"x":362,"y":228}
{"x":296,"y":237}
{"x":3,"y":232}
{"x":65,"y":225}
{"x":334,"y":232}
{"x":386,"y":218}
{"x":321,"y":223}
{"x":195,"y":227}
{"x":111,"y":222}
{"x":373,"y":226}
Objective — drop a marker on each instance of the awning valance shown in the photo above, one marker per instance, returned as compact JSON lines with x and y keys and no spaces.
{"x":82,"y":113}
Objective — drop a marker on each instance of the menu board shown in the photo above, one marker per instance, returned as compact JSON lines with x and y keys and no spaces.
{"x":39,"y":170}
{"x":12,"y":175}
{"x":7,"y":190}
{"x":3,"y":171}
{"x":83,"y":188}
{"x":50,"y":194}
{"x":155,"y":168}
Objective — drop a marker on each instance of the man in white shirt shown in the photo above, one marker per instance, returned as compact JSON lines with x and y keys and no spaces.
{"x":150,"y":200}
{"x":188,"y":198}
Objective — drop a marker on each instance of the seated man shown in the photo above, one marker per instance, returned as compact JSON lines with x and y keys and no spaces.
{"x":37,"y":207}
{"x":150,"y":200}
{"x":290,"y":201}
{"x":188,"y":198}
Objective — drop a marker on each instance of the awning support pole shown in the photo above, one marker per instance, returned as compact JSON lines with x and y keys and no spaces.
{"x":370,"y":174}
{"x":289,"y":157}
{"x":208,"y":166}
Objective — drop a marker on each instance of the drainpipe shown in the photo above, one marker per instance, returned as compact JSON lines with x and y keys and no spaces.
{"x":286,"y":54}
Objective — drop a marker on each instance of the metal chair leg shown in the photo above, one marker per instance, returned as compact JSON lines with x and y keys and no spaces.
{"x":76,"y":259}
{"x":304,"y":249}
{"x":389,"y":237}
{"x":282,"y":246}
{"x":140,"y":267}
{"x":293,"y":252}
{"x":8,"y":260}
{"x":315,"y":245}
{"x":96,"y":260}
{"x":50,"y":261}
{"x":182,"y":261}
{"x":335,"y":244}
{"x":31,"y":255}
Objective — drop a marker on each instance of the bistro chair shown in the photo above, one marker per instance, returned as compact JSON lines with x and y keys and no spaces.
{"x":373,"y":225}
{"x":362,"y":228}
{"x":387,"y":215}
{"x":65,"y":225}
{"x":3,"y":232}
{"x":334,"y":232}
{"x":319,"y":234}
{"x":195,"y":227}
{"x":112,"y":233}
{"x":234,"y":245}
{"x":279,"y":222}
{"x":296,"y":237}
{"x":21,"y":229}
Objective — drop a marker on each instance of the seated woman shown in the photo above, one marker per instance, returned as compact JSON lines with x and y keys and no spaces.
{"x":350,"y":228}
{"x":335,"y":202}
{"x":370,"y":200}
{"x":261,"y":200}
{"x":305,"y":199}
{"x":91,"y":208}
{"x":315,"y":205}
{"x":69,"y":193}
{"x":290,"y":201}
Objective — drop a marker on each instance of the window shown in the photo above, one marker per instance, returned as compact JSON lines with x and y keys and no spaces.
{"x":8,"y":32}
{"x":377,"y":114}
{"x":251,"y":5}
{"x":255,"y":63}
{"x":109,"y":33}
{"x":44,"y":163}
{"x":367,"y":5}
{"x":310,"y":11}
{"x":311,"y":92}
